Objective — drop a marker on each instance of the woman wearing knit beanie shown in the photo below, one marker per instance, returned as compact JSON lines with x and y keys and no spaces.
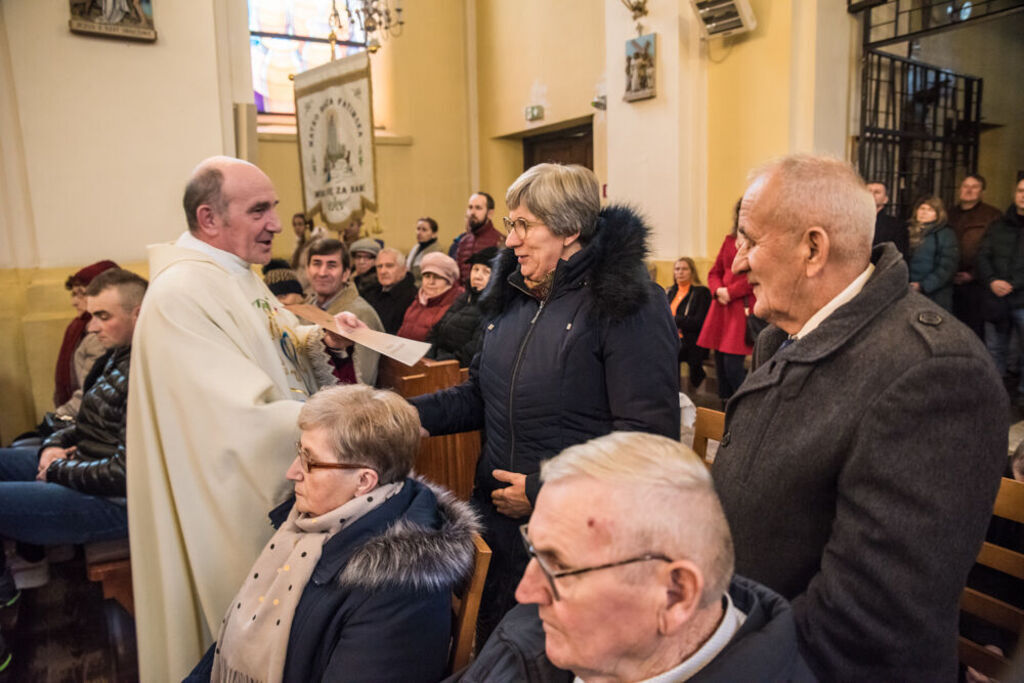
{"x":438,"y":291}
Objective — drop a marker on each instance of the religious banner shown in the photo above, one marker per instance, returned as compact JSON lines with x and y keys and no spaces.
{"x":334,"y":117}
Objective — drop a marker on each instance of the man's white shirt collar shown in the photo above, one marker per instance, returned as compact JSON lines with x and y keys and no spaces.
{"x":230,"y":262}
{"x":727,"y":628}
{"x":852,"y":290}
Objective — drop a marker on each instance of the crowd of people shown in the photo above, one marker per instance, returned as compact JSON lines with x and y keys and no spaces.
{"x":964,"y":259}
{"x":807,"y":551}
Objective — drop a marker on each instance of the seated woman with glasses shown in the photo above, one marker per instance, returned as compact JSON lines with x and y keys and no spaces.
{"x":356,"y":583}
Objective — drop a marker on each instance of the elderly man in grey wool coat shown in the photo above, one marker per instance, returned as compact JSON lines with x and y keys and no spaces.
{"x":862,"y":455}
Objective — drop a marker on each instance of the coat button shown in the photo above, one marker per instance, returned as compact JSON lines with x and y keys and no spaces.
{"x":725,"y":439}
{"x":929,"y":318}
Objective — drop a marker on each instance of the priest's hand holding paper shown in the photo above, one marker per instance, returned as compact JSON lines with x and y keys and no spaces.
{"x":348,"y":321}
{"x":345,"y":321}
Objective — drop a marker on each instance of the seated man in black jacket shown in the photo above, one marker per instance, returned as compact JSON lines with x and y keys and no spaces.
{"x":631,"y":578}
{"x":71,"y":490}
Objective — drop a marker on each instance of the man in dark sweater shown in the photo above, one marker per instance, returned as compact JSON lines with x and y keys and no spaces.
{"x":887,"y":228}
{"x":969,"y":218}
{"x":72,"y":489}
{"x":1000,"y":268}
{"x":394,"y":290}
{"x":480,"y":233}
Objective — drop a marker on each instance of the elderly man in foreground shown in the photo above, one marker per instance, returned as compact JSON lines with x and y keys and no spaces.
{"x":862,"y":455}
{"x":219,"y":373}
{"x":630,"y":578}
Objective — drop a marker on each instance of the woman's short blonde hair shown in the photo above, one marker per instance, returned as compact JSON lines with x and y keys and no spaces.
{"x":366,"y":426}
{"x":567,"y":199}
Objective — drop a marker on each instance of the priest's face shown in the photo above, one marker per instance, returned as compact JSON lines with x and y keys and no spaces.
{"x":247,"y":226}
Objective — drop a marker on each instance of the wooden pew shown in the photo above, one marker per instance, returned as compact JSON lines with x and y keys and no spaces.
{"x":710,"y":425}
{"x":109,"y":564}
{"x":449,"y":460}
{"x":1009,"y":505}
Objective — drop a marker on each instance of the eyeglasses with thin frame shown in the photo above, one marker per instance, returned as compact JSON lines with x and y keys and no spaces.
{"x":308,"y":464}
{"x":519,"y":226}
{"x":551,"y":574}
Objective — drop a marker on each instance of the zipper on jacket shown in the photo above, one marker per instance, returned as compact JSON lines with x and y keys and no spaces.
{"x":512,"y":388}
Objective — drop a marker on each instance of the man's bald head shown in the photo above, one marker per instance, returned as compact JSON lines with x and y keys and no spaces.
{"x":206,"y":186}
{"x":800,"y":191}
{"x":231,"y":205}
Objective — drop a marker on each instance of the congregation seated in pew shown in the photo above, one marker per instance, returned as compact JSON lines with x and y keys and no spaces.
{"x":72,"y":488}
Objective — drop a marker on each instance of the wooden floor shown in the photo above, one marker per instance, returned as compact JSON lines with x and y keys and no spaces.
{"x":65,"y":632}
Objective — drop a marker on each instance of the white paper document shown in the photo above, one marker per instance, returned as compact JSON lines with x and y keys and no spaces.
{"x":403,"y":350}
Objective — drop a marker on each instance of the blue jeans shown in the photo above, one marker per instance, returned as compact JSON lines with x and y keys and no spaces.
{"x":50,"y":514}
{"x":998,"y":343}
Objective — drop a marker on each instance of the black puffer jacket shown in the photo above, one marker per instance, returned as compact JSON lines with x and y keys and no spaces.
{"x":763,"y":649}
{"x":1001,"y":255}
{"x":98,"y":466}
{"x":457,"y":334}
{"x":598,"y":355}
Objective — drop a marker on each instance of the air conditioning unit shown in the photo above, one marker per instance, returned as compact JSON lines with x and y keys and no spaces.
{"x":720,"y":18}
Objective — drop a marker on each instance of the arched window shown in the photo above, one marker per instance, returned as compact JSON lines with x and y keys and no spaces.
{"x":287,"y":37}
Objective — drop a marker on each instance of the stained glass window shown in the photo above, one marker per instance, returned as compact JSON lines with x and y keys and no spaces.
{"x":287,"y":37}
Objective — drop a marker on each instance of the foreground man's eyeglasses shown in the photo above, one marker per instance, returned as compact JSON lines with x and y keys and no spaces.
{"x":551,"y":574}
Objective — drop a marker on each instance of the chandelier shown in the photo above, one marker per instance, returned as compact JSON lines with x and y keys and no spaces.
{"x":377,"y":20}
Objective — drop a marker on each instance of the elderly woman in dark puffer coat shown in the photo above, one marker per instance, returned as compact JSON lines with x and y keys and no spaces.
{"x":578,"y":342}
{"x":356,"y":583}
{"x":458,"y":334}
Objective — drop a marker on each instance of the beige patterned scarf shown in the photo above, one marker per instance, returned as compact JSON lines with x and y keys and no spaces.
{"x":253,"y":638}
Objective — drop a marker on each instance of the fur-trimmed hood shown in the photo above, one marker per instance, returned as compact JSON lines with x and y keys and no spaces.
{"x":411,"y":555}
{"x":611,"y":264}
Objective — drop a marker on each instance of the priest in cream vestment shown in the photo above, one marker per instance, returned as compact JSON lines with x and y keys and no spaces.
{"x":219,"y":372}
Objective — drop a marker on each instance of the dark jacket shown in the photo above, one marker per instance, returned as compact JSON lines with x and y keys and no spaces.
{"x":763,"y":649}
{"x":98,"y":465}
{"x":391,"y":304}
{"x":474,"y":241}
{"x":598,"y":355}
{"x":366,"y":282}
{"x":378,"y":606}
{"x":933,"y":263}
{"x":458,"y":334}
{"x":1001,"y":255}
{"x":891,"y":229}
{"x":419,"y":319}
{"x":692,"y":311}
{"x":858,"y":470}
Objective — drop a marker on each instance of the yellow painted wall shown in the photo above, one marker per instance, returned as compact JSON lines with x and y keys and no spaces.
{"x":749,"y":109}
{"x":421,"y":112}
{"x":535,"y":52}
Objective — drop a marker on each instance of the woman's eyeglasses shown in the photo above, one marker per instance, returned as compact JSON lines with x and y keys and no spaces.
{"x":308,"y":464}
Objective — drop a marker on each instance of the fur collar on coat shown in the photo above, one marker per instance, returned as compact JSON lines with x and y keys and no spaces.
{"x":409,"y":555}
{"x":611,"y":264}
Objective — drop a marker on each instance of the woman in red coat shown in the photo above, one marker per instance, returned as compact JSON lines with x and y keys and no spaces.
{"x":725,"y":328}
{"x":440,"y":288}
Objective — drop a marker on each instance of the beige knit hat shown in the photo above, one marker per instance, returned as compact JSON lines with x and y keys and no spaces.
{"x":441,"y":265}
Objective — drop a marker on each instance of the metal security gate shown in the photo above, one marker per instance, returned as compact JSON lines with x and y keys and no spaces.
{"x":919,"y":128}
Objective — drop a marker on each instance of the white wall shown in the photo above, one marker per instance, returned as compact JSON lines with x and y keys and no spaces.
{"x":656,"y":149}
{"x":107,"y":130}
